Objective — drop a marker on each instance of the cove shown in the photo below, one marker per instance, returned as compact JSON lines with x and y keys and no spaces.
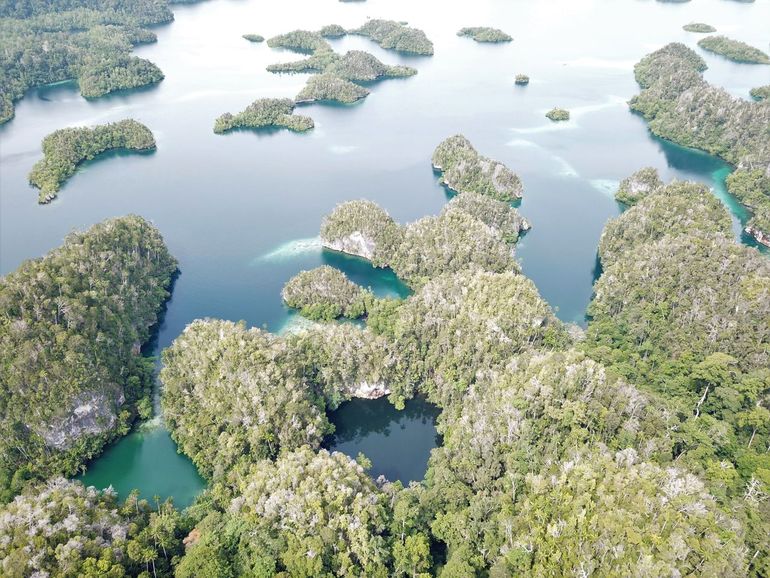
{"x":397,"y":442}
{"x":241,"y":212}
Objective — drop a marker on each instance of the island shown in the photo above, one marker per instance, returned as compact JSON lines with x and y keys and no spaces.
{"x":72,"y":324}
{"x":485,"y":34}
{"x":522,"y":79}
{"x":699,"y":27}
{"x":333,"y":31}
{"x":393,"y":35}
{"x":360,"y":66}
{"x":760,"y":93}
{"x":265,"y":113}
{"x":331,"y":88}
{"x":465,"y":170}
{"x":254,"y":37}
{"x":557,"y":114}
{"x":302,"y":41}
{"x":325,"y":293}
{"x":639,"y":185}
{"x":734,"y":50}
{"x":682,"y":107}
{"x":89,"y":42}
{"x":66,"y":148}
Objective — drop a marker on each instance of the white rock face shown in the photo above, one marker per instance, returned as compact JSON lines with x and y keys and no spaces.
{"x":366,"y":390}
{"x":90,"y":414}
{"x":354,"y":244}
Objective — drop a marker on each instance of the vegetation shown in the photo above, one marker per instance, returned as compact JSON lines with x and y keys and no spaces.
{"x":254,"y":37}
{"x":71,"y":327}
{"x":88,"y":40}
{"x":734,"y":50}
{"x":301,"y":41}
{"x":684,"y":108}
{"x":333,"y":31}
{"x":61,"y":528}
{"x":761,"y":92}
{"x":360,"y":66}
{"x":326,"y":293}
{"x":65,"y":149}
{"x":331,"y":88}
{"x":465,"y":170}
{"x":522,"y":79}
{"x":639,"y":185}
{"x":461,"y":236}
{"x":393,"y":35}
{"x":557,"y":114}
{"x":265,"y":112}
{"x":485,"y":34}
{"x":699,"y":27}
{"x":676,"y":209}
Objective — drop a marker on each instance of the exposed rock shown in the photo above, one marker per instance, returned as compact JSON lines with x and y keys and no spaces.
{"x":92,"y":413}
{"x":365,"y":390}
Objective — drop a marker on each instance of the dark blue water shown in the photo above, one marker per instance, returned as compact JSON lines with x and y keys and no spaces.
{"x":241,"y":212}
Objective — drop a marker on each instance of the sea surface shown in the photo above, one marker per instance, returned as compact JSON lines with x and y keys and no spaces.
{"x":241,"y":212}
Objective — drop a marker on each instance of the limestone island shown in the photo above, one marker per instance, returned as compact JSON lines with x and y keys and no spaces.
{"x":326,"y":293}
{"x":66,"y":148}
{"x":634,"y":188}
{"x":760,"y":93}
{"x":522,"y":79}
{"x":254,"y":37}
{"x":264,"y":113}
{"x":330,"y":88}
{"x":393,"y":35}
{"x":682,"y":107}
{"x":699,"y":27}
{"x":734,"y":50}
{"x":557,"y":114}
{"x":485,"y":34}
{"x":478,"y":231}
{"x":333,"y":31}
{"x":465,"y":171}
{"x":302,"y":41}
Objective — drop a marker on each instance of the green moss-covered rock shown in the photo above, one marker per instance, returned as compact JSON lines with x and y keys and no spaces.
{"x":328,"y":87}
{"x":639,"y":185}
{"x":734,"y":50}
{"x":557,"y":114}
{"x":265,"y":112}
{"x":325,"y":293}
{"x":485,"y":34}
{"x":395,"y":36}
{"x":465,"y":170}
{"x":65,"y":149}
{"x":699,"y":27}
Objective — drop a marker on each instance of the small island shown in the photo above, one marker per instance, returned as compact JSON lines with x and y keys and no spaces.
{"x":760,"y":93}
{"x":65,"y":149}
{"x":639,"y":185}
{"x":485,"y":34}
{"x":331,"y":88}
{"x":699,"y":27}
{"x":333,"y":31}
{"x":522,"y":79}
{"x":254,"y":37}
{"x":264,"y":113}
{"x":326,"y":293}
{"x":393,"y":35}
{"x":557,"y":114}
{"x":465,"y":170}
{"x":734,"y":50}
{"x":100,"y":77}
{"x":302,"y":41}
{"x":360,"y":66}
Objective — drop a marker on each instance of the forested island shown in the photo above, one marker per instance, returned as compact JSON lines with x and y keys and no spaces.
{"x":66,"y":148}
{"x":682,"y":107}
{"x":393,"y":35}
{"x":557,"y":114}
{"x":326,"y":293}
{"x":485,"y":34}
{"x":331,"y":88}
{"x":699,"y":27}
{"x":465,"y":170}
{"x":522,"y":79}
{"x":264,"y":113}
{"x":254,"y":37}
{"x":734,"y":50}
{"x":88,"y":41}
{"x":72,"y":324}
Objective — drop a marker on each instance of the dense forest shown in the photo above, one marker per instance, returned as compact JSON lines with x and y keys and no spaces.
{"x":85,"y":40}
{"x":72,"y":324}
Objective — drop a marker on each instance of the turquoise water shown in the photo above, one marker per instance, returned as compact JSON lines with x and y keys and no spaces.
{"x":241,"y":212}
